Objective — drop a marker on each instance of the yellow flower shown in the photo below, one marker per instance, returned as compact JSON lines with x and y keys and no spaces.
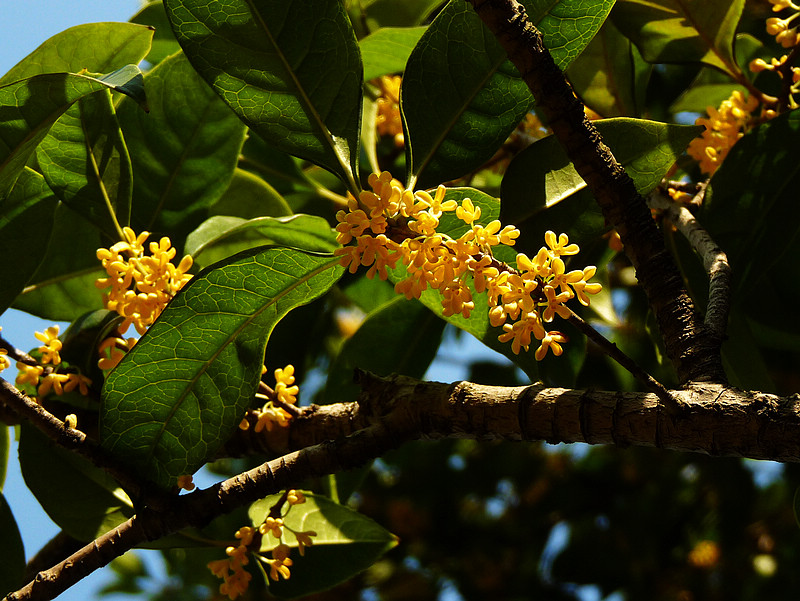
{"x":295,"y":497}
{"x":52,"y":345}
{"x":273,"y":526}
{"x":52,"y":381}
{"x":304,"y":540}
{"x":28,"y":374}
{"x":141,"y":285}
{"x":388,"y":121}
{"x":280,"y":563}
{"x":552,"y":341}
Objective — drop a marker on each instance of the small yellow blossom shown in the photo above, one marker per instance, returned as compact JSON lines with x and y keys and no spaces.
{"x":724,"y":127}
{"x":272,"y":526}
{"x":529,"y":296}
{"x":112,"y":350}
{"x":388,"y":120}
{"x":295,"y":497}
{"x":52,"y":345}
{"x":28,"y":374}
{"x":71,"y":421}
{"x":280,"y":563}
{"x":141,"y":285}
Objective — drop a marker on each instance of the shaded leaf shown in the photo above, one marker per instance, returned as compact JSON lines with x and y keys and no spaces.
{"x":610,"y":75}
{"x":26,"y":222}
{"x":680,"y":31}
{"x":386,"y":50}
{"x":221,"y":236}
{"x":184,"y":154}
{"x":750,"y":202}
{"x":541,"y":175}
{"x":96,"y":47}
{"x":457,"y":124}
{"x":248,"y":196}
{"x":180,"y":393}
{"x":346,"y":542}
{"x":85,"y":161}
{"x":12,"y":552}
{"x":80,"y":498}
{"x":29,"y":107}
{"x":63,"y":289}
{"x":290,"y":70}
{"x":389,"y":13}
{"x":697,"y":99}
{"x":164,"y":42}
{"x":400,"y":337}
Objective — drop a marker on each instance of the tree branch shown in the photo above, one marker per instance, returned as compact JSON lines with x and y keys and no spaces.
{"x":714,"y":419}
{"x":715,"y":261}
{"x":694,"y":353}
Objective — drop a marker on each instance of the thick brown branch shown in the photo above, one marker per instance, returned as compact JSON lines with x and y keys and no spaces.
{"x":695,"y":354}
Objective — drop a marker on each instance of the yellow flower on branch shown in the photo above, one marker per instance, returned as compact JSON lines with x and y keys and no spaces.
{"x":401,"y":225}
{"x":141,"y":284}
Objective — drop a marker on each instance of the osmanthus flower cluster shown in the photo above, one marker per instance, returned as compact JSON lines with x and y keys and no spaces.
{"x":4,"y":362}
{"x":724,"y":127}
{"x":50,"y":374}
{"x":141,"y":286}
{"x":389,"y":225}
{"x":252,"y":542}
{"x":273,"y":413}
{"x":785,"y":35}
{"x":789,"y":38}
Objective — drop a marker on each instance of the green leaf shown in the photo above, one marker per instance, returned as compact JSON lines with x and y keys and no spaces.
{"x":63,"y":289}
{"x":96,"y":47}
{"x":153,"y":15}
{"x":750,"y":202}
{"x":180,"y":393}
{"x":248,"y":196}
{"x":376,"y":14}
{"x":697,"y":99}
{"x":12,"y":552}
{"x":184,"y":153}
{"x":400,"y":337}
{"x":221,"y":236}
{"x":86,"y":163}
{"x":290,"y":70}
{"x":26,"y":222}
{"x":541,"y":175}
{"x":346,"y":542}
{"x":31,"y":106}
{"x":457,"y":124}
{"x":82,"y":499}
{"x":610,"y":75}
{"x":682,"y":31}
{"x":386,"y":51}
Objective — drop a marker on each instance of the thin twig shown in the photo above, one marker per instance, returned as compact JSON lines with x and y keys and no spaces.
{"x":611,"y":349}
{"x":715,"y":261}
{"x":16,"y":354}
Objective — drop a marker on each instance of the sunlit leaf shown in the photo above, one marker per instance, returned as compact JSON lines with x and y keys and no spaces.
{"x":680,"y":31}
{"x":345,"y":543}
{"x":96,"y":47}
{"x":457,"y":123}
{"x":221,"y":236}
{"x":290,"y":70}
{"x":179,"y":394}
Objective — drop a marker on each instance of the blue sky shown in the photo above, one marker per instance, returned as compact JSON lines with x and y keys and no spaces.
{"x":24,"y":24}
